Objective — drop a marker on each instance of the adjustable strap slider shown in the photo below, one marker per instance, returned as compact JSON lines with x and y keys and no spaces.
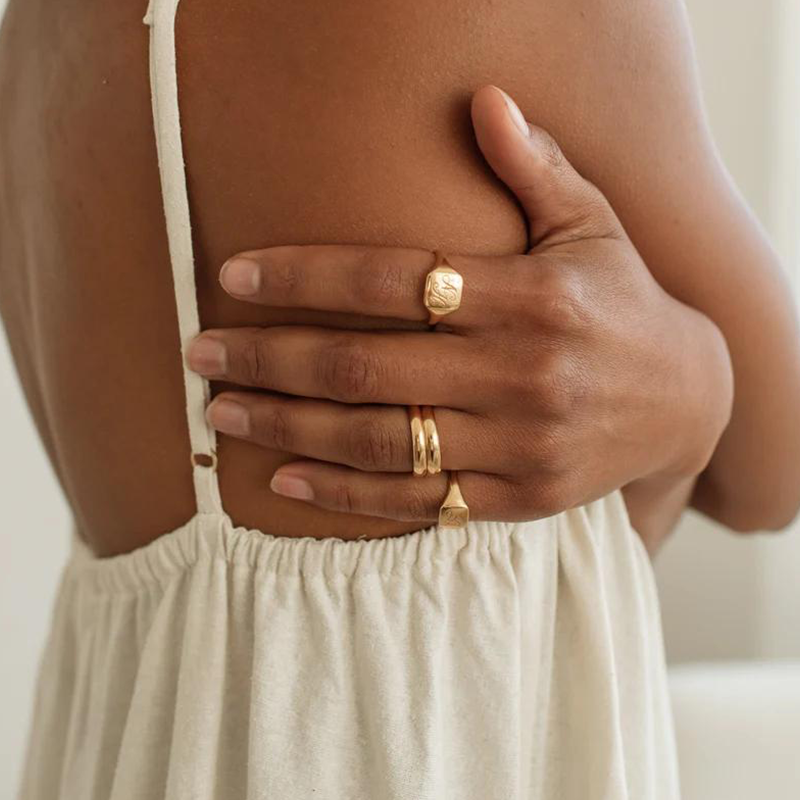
{"x":206,"y":460}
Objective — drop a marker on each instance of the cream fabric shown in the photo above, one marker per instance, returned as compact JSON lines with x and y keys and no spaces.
{"x":499,"y":662}
{"x":495,"y":662}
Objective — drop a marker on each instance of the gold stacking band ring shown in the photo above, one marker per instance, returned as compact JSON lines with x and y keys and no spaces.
{"x":443,"y":289}
{"x":425,"y":448}
{"x":427,"y":460}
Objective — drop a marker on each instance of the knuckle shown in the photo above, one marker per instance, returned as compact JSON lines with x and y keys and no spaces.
{"x":550,"y":489}
{"x":599,"y":218}
{"x":557,"y":389}
{"x":513,"y":499}
{"x":379,"y":284}
{"x":285,"y":278}
{"x":587,"y":214}
{"x":344,"y":498}
{"x":349,"y":372}
{"x":593,"y":217}
{"x":562,"y":312}
{"x":552,"y":388}
{"x":551,"y":152}
{"x":522,"y":498}
{"x":414,"y":504}
{"x":518,"y":449}
{"x":550,"y":452}
{"x":372,"y":446}
{"x":255,"y":361}
{"x":560,"y":302}
{"x":548,"y":497}
{"x":548,"y":148}
{"x":274,"y":429}
{"x":510,"y":497}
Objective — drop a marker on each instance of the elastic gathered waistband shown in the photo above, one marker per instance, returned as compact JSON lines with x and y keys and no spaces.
{"x":213,"y":536}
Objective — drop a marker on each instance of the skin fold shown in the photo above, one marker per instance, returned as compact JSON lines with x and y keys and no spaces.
{"x":349,"y":123}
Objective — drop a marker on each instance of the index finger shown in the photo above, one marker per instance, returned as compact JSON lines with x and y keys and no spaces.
{"x":374,"y":281}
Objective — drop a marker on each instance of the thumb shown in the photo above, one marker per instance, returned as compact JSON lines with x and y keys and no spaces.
{"x":558,"y":202}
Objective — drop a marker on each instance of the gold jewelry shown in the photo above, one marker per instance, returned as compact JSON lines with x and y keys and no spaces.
{"x":418,"y":449}
{"x":454,"y":512}
{"x":443,"y":288}
{"x":433,"y":450}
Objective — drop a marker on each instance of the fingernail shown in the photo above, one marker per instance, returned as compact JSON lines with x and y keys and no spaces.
{"x":516,"y":115}
{"x":240,"y":276}
{"x":207,"y":356}
{"x":229,"y":417}
{"x":291,"y":486}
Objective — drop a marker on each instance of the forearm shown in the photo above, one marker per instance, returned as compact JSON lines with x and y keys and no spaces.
{"x":750,"y":481}
{"x":753,"y":480}
{"x":702,"y":370}
{"x":697,"y":238}
{"x":655,"y":506}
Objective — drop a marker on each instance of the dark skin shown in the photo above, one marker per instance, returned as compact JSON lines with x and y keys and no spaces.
{"x":319,"y":123}
{"x":543,"y":399}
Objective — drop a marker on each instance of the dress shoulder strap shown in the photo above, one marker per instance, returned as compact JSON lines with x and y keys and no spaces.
{"x":160,"y":17}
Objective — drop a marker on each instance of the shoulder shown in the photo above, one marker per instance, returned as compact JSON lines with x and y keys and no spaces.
{"x":616,"y":83}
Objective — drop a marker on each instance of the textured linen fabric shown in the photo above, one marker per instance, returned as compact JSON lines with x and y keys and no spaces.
{"x":494,"y":662}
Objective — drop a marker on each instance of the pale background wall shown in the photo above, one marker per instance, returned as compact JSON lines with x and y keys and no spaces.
{"x":722,"y":596}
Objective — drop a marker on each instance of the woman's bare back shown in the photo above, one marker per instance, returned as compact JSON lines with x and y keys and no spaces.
{"x":318,"y":122}
{"x":302,"y":123}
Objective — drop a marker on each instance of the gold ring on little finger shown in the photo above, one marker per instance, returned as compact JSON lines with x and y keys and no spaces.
{"x":454,"y":511}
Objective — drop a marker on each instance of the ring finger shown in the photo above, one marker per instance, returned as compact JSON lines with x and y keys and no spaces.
{"x":373,"y":438}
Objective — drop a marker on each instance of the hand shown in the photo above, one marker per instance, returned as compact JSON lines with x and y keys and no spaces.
{"x":566,"y":373}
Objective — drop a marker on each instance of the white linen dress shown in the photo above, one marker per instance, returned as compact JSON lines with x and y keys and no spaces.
{"x":493,"y":662}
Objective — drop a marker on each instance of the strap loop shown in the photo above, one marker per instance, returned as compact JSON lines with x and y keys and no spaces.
{"x":205,"y":460}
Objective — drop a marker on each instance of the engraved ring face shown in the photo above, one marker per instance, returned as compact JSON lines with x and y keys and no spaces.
{"x":453,"y":517}
{"x":443,"y":288}
{"x":454,"y":512}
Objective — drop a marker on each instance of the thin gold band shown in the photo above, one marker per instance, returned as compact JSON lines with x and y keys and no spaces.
{"x":426,"y":451}
{"x":418,"y":448}
{"x":433,"y":450}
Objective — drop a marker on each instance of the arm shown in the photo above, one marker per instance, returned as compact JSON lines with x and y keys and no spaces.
{"x":634,"y":125}
{"x":394,"y":163}
{"x":565,"y":374}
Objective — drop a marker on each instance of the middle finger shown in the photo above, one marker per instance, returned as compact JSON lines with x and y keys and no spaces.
{"x":403,"y":368}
